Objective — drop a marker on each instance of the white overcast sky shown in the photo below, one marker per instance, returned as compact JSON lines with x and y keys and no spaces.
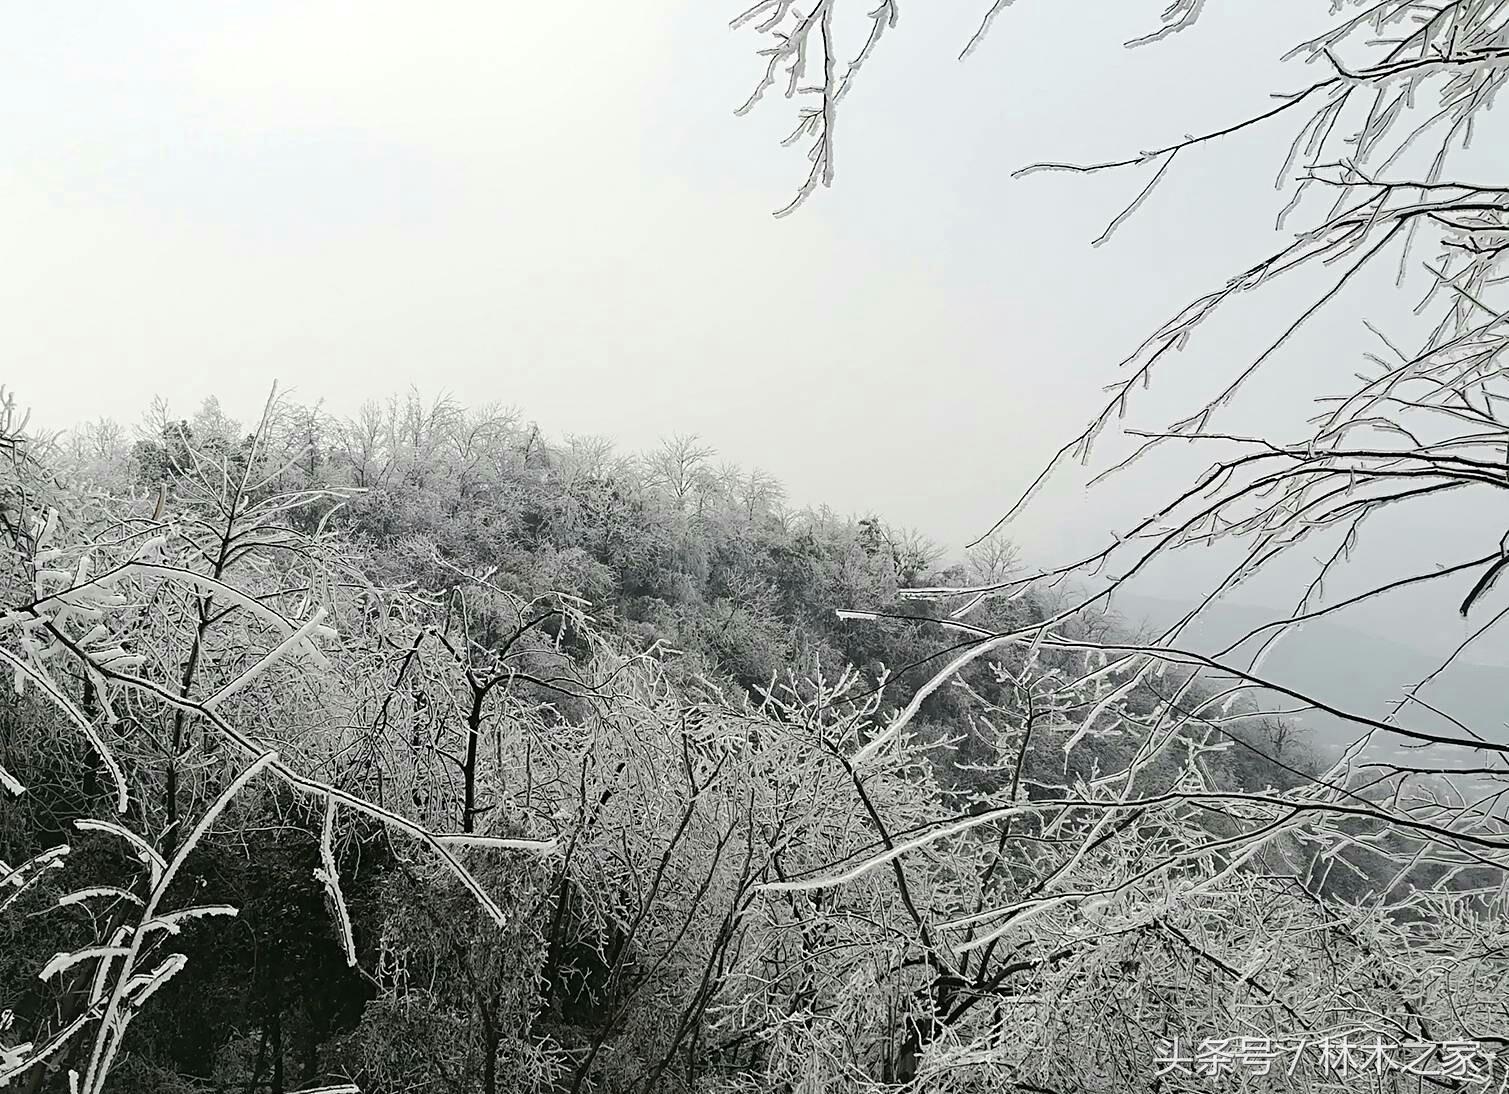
{"x":552,"y":206}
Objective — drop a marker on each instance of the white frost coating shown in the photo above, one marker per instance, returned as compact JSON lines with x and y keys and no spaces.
{"x":151,"y":547}
{"x":329,"y":876}
{"x":125,"y":661}
{"x":1016,"y":921}
{"x":98,"y":633}
{"x":234,"y":596}
{"x":899,"y":723}
{"x":81,"y":895}
{"x":144,"y":850}
{"x":1100,"y":707}
{"x":102,"y":693}
{"x":278,"y":653}
{"x":9,"y":783}
{"x":118,"y":1012}
{"x":30,"y":872}
{"x":171,"y":920}
{"x":91,"y":597}
{"x":21,"y":1058}
{"x":144,"y":984}
{"x":501,"y":843}
{"x":103,"y":750}
{"x":102,"y":972}
{"x":830,"y":880}
{"x":48,"y":527}
{"x":997,"y":913}
{"x":62,"y":961}
{"x":1106,"y":669}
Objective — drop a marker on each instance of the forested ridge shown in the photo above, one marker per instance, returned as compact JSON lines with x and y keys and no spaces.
{"x":423,"y":750}
{"x":612,"y":698}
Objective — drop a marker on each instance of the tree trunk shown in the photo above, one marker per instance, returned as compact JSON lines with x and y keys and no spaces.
{"x":469,"y":768}
{"x":276,"y":1087}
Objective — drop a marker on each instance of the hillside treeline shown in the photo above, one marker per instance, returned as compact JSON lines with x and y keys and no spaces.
{"x":420,"y":751}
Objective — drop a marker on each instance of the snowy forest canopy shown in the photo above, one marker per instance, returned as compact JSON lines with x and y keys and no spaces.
{"x":421,"y":751}
{"x":522,"y":766}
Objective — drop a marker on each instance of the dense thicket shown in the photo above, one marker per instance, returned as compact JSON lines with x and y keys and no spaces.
{"x":419,"y":752}
{"x":523,"y":767}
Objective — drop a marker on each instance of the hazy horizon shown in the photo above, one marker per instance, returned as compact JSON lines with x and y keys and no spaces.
{"x":356,"y":199}
{"x":353,"y":200}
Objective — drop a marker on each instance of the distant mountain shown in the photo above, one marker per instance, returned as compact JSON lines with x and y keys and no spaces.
{"x":1353,"y":669}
